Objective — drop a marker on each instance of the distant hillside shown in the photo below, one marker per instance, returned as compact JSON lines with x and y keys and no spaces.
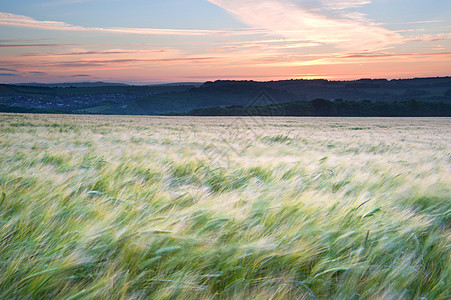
{"x":103,"y":98}
{"x":72,"y":84}
{"x":246,"y":93}
{"x":424,"y":89}
{"x":101,"y":84}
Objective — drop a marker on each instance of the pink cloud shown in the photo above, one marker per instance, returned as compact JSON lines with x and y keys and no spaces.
{"x":293,"y":20}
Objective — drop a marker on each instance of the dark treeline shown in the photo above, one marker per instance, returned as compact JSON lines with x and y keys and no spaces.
{"x":337,"y":108}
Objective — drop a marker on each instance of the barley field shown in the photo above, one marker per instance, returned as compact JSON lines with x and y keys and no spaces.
{"x":119,"y":207}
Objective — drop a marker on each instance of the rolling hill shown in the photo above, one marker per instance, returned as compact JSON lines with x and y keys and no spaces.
{"x":107,"y":98}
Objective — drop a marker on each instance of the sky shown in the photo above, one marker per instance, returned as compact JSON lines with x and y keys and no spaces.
{"x":155,"y":41}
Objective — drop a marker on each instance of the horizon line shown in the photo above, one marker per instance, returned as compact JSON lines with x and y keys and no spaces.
{"x":221,"y":79}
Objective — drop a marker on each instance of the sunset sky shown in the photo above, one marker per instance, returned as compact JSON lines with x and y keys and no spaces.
{"x":146,"y":41}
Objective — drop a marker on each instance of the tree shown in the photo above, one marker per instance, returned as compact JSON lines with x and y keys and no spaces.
{"x":322,"y":107}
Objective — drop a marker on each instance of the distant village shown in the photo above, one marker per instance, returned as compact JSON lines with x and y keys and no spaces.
{"x":66,"y":101}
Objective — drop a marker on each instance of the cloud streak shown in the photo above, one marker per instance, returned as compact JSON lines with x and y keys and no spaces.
{"x":402,"y":55}
{"x":359,"y":58}
{"x":430,"y":38}
{"x":342,"y":4}
{"x":7,"y":19}
{"x":41,"y":45}
{"x":325,"y":22}
{"x":6,"y":70}
{"x":105,"y":52}
{"x":126,"y":62}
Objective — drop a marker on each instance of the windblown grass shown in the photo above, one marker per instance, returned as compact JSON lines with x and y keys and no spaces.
{"x":103,"y":207}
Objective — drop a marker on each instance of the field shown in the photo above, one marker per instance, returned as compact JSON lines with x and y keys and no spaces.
{"x":106,"y":207}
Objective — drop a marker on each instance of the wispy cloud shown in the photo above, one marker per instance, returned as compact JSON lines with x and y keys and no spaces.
{"x":6,"y":70}
{"x":265,"y":45}
{"x":325,"y":22}
{"x":41,"y":45}
{"x":65,"y":2}
{"x":126,"y":61}
{"x":330,"y":4}
{"x":342,"y":4}
{"x":80,"y":75}
{"x":419,"y":22}
{"x":105,"y":52}
{"x":429,"y":37}
{"x":7,"y":19}
{"x":360,"y":58}
{"x":399,"y":55}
